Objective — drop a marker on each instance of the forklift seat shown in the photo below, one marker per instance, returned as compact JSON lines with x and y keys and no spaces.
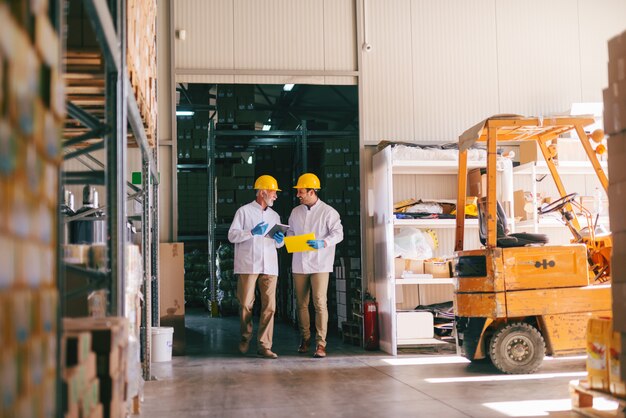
{"x":504,"y":239}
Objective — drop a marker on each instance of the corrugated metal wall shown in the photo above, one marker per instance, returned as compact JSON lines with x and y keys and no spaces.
{"x":598,"y":21}
{"x":266,"y":41}
{"x":469,"y":60}
{"x":435,"y":67}
{"x":387,"y":74}
{"x":538,"y":56}
{"x":454,"y":64}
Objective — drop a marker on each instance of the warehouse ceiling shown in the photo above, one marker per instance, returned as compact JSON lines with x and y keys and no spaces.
{"x":323,"y":107}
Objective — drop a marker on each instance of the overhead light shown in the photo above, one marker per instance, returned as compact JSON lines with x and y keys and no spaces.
{"x":185,"y":113}
{"x":288,"y":87}
{"x":266,"y":127}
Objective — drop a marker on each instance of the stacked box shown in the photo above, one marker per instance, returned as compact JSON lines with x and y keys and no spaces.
{"x":615,"y":126}
{"x":615,"y":94}
{"x":80,"y":384}
{"x":234,"y":191}
{"x":226,"y":104}
{"x":193,"y":192}
{"x":192,"y":135}
{"x":141,"y":59}
{"x":30,"y":138}
{"x":341,"y":189}
{"x":348,"y":288}
{"x":102,"y":376}
{"x":599,"y":334}
{"x":235,"y":106}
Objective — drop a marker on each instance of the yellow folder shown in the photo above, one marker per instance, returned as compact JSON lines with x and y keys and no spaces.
{"x":297,"y":243}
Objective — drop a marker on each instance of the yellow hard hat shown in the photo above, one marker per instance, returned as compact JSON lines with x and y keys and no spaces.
{"x":266,"y":182}
{"x":308,"y":181}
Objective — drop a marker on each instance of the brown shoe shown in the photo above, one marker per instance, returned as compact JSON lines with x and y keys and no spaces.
{"x":244,"y":345}
{"x":304,"y":346}
{"x":266,"y":353}
{"x":320,"y":351}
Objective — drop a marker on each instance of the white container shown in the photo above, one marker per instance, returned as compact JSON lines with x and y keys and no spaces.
{"x":162,"y":338}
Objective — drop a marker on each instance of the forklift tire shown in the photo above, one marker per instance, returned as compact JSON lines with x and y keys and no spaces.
{"x":517,"y":348}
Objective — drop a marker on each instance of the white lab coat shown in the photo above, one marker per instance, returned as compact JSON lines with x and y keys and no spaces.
{"x":324,"y":221}
{"x":254,"y":254}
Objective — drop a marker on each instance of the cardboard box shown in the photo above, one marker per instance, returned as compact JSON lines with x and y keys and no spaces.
{"x":439,"y":269}
{"x":617,"y":386}
{"x":616,"y":151}
{"x":614,"y":98}
{"x":225,"y":183}
{"x":529,"y":152}
{"x":477,"y":183}
{"x":243,"y":196}
{"x":599,"y":333}
{"x":227,"y":210}
{"x":408,"y":265}
{"x":617,"y":201}
{"x":243,"y":170}
{"x":76,"y":347}
{"x":521,"y":200}
{"x":225,"y":196}
{"x":172,"y":292}
{"x":617,"y":57}
{"x":106,"y":333}
{"x":618,"y":296}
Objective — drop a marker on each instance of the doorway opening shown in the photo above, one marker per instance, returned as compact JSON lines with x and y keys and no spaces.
{"x":227,"y":136}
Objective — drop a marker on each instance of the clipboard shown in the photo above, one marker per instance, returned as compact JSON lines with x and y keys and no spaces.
{"x":277,"y":227}
{"x":297,"y":243}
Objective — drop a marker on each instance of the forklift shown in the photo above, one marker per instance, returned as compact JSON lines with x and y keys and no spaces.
{"x":518,"y":298}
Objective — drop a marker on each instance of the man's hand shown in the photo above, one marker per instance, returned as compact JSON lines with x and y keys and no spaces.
{"x":259,"y":229}
{"x":279,"y":237}
{"x":316,"y":243}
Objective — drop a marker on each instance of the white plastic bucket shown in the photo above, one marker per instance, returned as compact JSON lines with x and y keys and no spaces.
{"x":162,"y":338}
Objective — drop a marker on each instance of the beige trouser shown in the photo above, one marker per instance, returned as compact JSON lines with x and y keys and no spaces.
{"x":245,"y":294}
{"x":304,"y":283}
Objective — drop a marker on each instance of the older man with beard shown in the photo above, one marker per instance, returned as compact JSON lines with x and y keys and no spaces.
{"x":256,"y":261}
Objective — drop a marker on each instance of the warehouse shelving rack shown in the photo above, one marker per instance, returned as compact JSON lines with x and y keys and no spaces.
{"x":120,"y":110}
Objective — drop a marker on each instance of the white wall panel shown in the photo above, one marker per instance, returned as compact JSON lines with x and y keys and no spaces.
{"x":598,"y":21}
{"x":454,"y":67}
{"x":339,"y":35}
{"x":538,"y":56}
{"x":387,"y":74}
{"x":278,"y":79}
{"x":279,"y":34}
{"x":209,"y":28}
{"x":341,"y":80}
{"x":205,"y":78}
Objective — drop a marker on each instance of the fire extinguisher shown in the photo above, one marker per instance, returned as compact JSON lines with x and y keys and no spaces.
{"x":370,"y":314}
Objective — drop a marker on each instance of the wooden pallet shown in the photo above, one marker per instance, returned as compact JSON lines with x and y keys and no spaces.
{"x":582,"y":401}
{"x":85,"y":87}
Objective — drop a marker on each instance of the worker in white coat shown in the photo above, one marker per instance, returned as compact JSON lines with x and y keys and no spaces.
{"x":311,"y":269}
{"x":256,"y":261}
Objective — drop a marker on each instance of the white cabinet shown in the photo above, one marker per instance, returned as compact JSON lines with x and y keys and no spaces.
{"x":395,"y":181}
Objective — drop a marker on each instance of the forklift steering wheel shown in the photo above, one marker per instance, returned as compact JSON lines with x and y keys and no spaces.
{"x":557,"y":204}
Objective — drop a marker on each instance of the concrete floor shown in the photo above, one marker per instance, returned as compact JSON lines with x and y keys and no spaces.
{"x":214,"y":380}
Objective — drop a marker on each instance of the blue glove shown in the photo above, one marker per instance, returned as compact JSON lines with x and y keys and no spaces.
{"x":279,"y":237}
{"x":316,"y":243}
{"x":259,"y":229}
